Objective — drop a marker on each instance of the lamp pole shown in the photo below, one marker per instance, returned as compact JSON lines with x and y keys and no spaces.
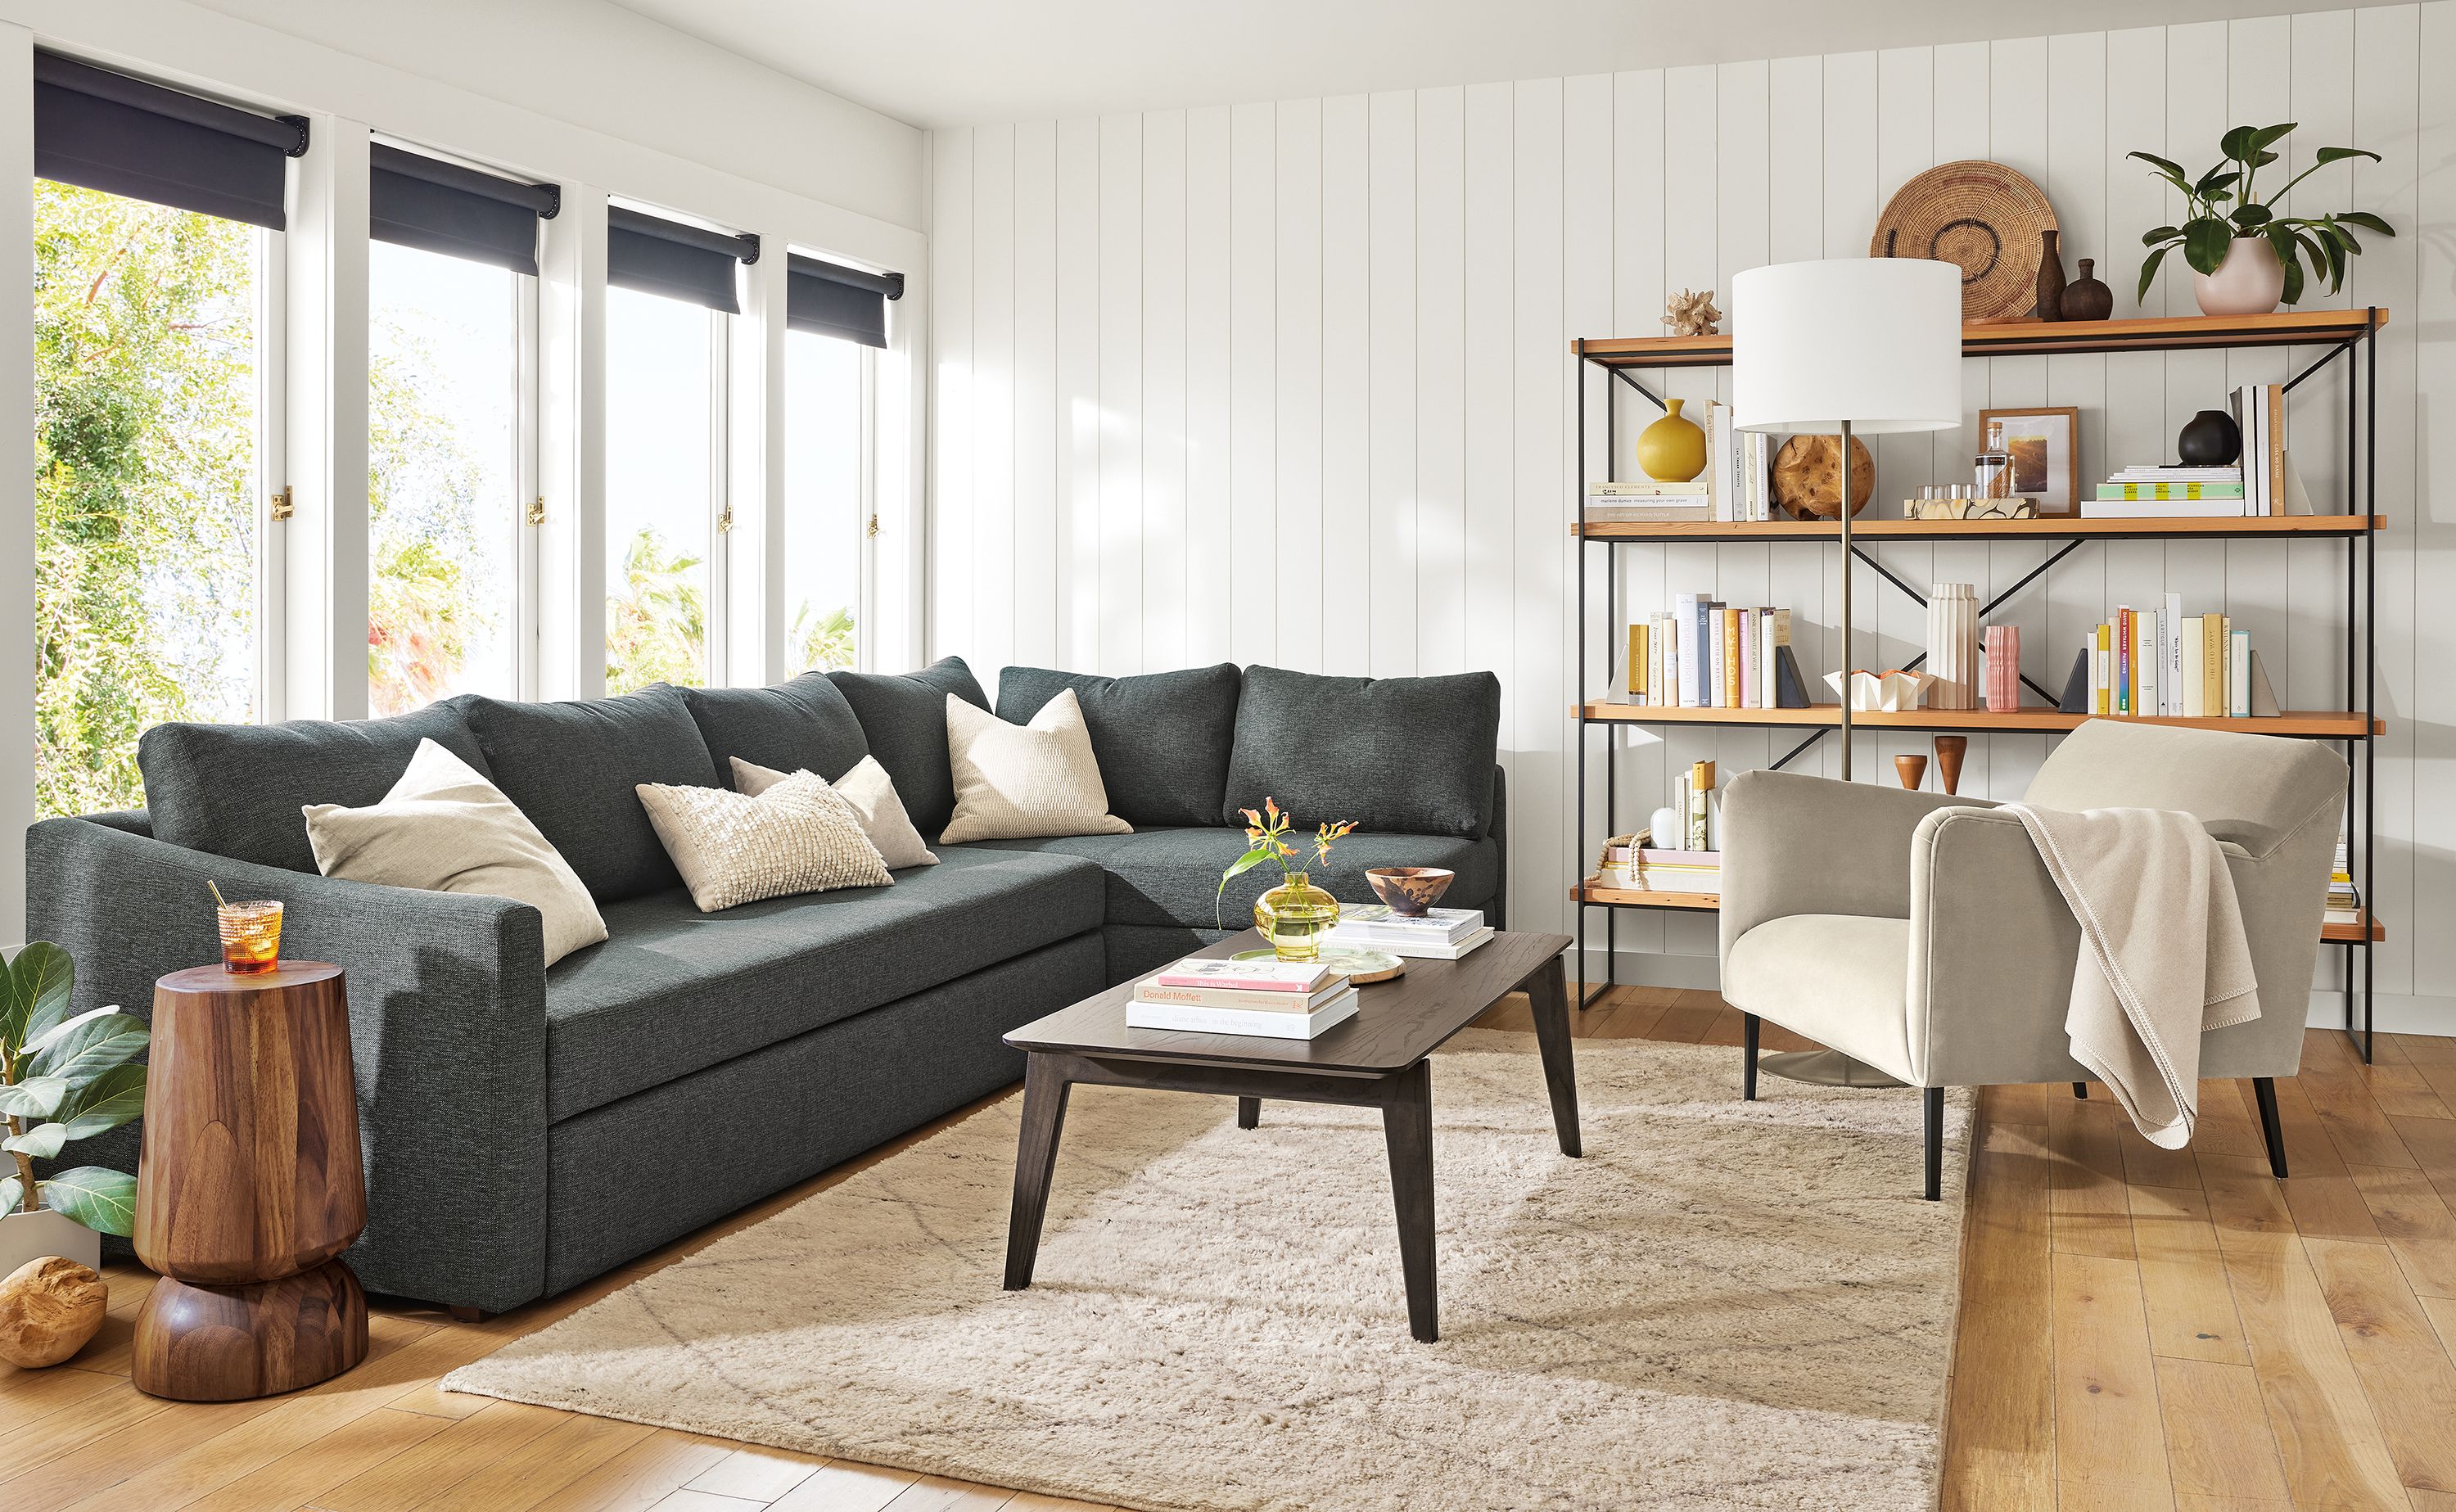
{"x":1847,"y":575}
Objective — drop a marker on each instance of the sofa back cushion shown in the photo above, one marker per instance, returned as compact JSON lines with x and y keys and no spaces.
{"x":801,"y":726}
{"x":1162,"y":739}
{"x":575,"y":769}
{"x":904,"y":717}
{"x":237,"y":790}
{"x":1407,"y":755}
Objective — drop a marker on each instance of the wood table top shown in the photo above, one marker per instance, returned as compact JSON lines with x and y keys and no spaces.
{"x":1397,"y":1023}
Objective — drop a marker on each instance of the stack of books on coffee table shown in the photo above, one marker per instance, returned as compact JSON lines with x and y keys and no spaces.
{"x":1439,"y":934}
{"x":1276,"y":999}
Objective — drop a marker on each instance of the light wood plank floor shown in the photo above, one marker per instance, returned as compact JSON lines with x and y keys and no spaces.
{"x":2141,"y":1329}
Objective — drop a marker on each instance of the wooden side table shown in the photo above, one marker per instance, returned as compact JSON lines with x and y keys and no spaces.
{"x":249,"y":1186}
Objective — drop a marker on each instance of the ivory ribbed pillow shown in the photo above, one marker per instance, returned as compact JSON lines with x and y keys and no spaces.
{"x":797,"y":836}
{"x":1014,"y":782}
{"x":872,"y":792}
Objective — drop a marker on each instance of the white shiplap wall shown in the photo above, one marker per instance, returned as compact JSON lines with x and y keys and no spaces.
{"x":1289,"y":382}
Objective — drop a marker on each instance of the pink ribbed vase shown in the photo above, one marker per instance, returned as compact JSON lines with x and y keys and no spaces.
{"x":2003,"y":651}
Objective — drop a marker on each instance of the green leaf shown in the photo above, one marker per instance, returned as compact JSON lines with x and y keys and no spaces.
{"x":2367,"y":221}
{"x":2338,"y":154}
{"x":9,"y":1190}
{"x":2166,"y":165}
{"x":34,"y":1097}
{"x":2240,"y":143}
{"x":112,"y":1098}
{"x":78,"y":1046}
{"x":2270,"y":135}
{"x":2353,"y":248}
{"x":2151,"y":239}
{"x":2216,"y":180}
{"x":2248,"y":217}
{"x":2205,"y":242}
{"x":42,"y":1141}
{"x":36,"y":992}
{"x":102,"y":1199}
{"x":2282,"y":239}
{"x":2149,"y":274}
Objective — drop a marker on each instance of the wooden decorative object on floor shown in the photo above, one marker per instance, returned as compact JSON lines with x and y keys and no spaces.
{"x":250,"y":1186}
{"x":1949,"y":750}
{"x":48,"y":1308}
{"x":1807,"y":476}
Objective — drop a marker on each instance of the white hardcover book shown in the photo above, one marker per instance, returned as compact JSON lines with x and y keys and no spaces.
{"x":2196,"y":669}
{"x":1717,"y":662}
{"x":1434,"y":949}
{"x":1684,"y":607}
{"x":1231,"y":1021}
{"x":2170,"y":649}
{"x":2144,"y":664}
{"x":2239,"y":675}
{"x":1749,"y":658}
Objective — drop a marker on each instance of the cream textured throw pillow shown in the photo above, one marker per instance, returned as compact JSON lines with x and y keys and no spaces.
{"x":797,"y":836}
{"x":1014,"y":782}
{"x":872,"y":792}
{"x":444,"y":829}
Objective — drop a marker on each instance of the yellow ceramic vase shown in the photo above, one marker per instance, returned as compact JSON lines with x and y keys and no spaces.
{"x":1672,"y":450}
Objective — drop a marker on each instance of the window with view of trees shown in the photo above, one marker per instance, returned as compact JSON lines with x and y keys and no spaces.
{"x":827,"y":498}
{"x":443,"y":475}
{"x":662,"y":367}
{"x":147,"y":333}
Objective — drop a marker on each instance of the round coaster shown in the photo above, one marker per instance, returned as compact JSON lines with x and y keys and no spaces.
{"x":1363,"y":968}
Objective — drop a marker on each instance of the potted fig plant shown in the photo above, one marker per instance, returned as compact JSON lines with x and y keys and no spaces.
{"x":2244,"y":256}
{"x":62,"y":1077}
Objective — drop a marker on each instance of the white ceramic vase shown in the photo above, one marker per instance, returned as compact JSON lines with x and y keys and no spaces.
{"x":31,"y":1236}
{"x":1952,"y":645}
{"x":2250,"y":281}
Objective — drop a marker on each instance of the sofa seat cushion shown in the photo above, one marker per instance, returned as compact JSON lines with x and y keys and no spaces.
{"x":1160,"y":877}
{"x":1841,"y":979}
{"x":673,"y":990}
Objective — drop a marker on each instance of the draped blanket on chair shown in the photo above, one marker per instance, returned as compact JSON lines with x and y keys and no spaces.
{"x":2164,"y":957}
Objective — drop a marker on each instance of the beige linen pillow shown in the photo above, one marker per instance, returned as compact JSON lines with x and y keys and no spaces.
{"x":872,"y":792}
{"x":444,"y":829}
{"x":797,"y":836}
{"x":1014,"y":782}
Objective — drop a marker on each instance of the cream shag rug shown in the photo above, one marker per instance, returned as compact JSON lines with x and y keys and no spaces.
{"x":1722,"y":1305}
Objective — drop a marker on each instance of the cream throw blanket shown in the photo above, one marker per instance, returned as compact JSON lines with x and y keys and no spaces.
{"x":2163,"y":953}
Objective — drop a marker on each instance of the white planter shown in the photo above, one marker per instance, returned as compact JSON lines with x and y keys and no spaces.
{"x":31,"y":1236}
{"x":2250,"y":281}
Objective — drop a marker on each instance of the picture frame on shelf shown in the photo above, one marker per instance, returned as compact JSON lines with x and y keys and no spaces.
{"x":2044,"y":442}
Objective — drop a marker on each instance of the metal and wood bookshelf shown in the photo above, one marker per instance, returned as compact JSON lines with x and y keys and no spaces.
{"x":2347,"y":335}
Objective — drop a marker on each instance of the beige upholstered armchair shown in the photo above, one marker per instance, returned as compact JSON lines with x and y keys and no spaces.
{"x":1921,"y":935}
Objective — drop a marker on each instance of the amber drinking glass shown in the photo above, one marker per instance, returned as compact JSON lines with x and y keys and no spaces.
{"x":251,"y":936}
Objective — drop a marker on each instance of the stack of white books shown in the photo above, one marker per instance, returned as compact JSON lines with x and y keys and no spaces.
{"x":1275,"y":999}
{"x":1439,"y":934}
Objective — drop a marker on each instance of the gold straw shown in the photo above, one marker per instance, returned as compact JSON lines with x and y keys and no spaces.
{"x":218,"y":899}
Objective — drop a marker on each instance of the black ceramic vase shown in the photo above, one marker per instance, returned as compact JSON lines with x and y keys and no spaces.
{"x":2210,"y":440}
{"x":2087,"y":298}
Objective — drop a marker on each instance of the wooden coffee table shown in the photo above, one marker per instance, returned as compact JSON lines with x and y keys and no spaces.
{"x":1376,"y":1059}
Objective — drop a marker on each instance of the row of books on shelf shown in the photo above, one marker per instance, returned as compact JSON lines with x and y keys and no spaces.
{"x":2344,"y":902}
{"x":2153,"y":664}
{"x":2263,"y":481}
{"x":1632,"y":863}
{"x":1704,"y":654}
{"x":1294,"y":999}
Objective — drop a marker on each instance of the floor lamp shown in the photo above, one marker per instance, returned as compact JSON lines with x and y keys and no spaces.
{"x":1871,"y":345}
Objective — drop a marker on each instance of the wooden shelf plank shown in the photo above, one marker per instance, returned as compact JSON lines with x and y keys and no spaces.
{"x":1591,"y":891}
{"x":2324,"y":723}
{"x":2352,"y":933}
{"x":2023,"y":337}
{"x":2060,"y":527}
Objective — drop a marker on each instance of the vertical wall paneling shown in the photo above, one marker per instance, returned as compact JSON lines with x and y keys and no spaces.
{"x":1490,"y":152}
{"x":1587,"y":288}
{"x":1538,"y":732}
{"x":2258,"y":89}
{"x":1638,"y":298}
{"x":2428,"y":703}
{"x":2197,"y":113}
{"x":1300,"y":570}
{"x":1121,"y":428}
{"x":1347,"y":554}
{"x":1253,"y":284}
{"x":1441,"y":383}
{"x":2322,"y":82}
{"x":1390,"y":198}
{"x":1035,"y":540}
{"x":993,"y":458}
{"x":1913,"y":133}
{"x":1210,"y":453}
{"x":1163,"y":363}
{"x":1689,"y":187}
{"x":951,"y":249}
{"x":2072,"y":598}
{"x":1078,"y":393}
{"x":2134,"y":423}
{"x":2020,"y":88}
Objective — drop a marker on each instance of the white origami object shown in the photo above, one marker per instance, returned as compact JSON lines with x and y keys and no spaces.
{"x":1882,"y":692}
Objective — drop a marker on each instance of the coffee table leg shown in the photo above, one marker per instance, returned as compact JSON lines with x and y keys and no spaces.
{"x":1408,"y":1125}
{"x":1249,"y":1113}
{"x":1036,"y":1158}
{"x":1547,"y":992}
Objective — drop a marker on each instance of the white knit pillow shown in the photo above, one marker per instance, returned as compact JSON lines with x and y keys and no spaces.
{"x":798,"y":836}
{"x":872,"y":792}
{"x":1014,"y":782}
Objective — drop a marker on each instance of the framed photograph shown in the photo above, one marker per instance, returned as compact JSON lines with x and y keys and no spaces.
{"x":2045,"y":447}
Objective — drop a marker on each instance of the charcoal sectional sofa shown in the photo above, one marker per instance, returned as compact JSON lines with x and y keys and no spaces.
{"x":526,"y":1128}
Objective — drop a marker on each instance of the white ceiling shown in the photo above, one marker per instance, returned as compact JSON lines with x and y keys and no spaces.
{"x":966,"y":62}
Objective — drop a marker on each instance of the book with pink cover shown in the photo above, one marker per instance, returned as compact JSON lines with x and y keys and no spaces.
{"x":1252,"y":976}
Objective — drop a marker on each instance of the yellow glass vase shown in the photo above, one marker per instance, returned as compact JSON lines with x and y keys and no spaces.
{"x":1672,"y":450}
{"x":1294,"y":916}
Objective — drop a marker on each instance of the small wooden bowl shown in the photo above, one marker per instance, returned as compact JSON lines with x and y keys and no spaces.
{"x":1410,"y":889}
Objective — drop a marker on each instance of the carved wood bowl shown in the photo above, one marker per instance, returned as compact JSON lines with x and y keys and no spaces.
{"x":1410,"y":889}
{"x":1807,"y":476}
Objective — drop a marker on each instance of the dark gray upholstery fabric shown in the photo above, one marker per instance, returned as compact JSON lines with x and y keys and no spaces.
{"x":706,"y":1144}
{"x":1161,"y":740}
{"x":674,"y":990}
{"x":448,"y":1030}
{"x":1410,"y":755}
{"x":904,"y":717}
{"x":1168,"y":876}
{"x":236,"y":789}
{"x":573,"y":768}
{"x":1138,"y":950}
{"x":801,"y":726}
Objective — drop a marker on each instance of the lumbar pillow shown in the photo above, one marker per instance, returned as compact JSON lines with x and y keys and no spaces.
{"x":872,"y":792}
{"x":1016,"y":781}
{"x":797,"y":836}
{"x":444,"y":829}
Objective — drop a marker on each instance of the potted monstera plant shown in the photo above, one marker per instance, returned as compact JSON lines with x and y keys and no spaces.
{"x":63,"y":1077}
{"x":2244,"y":256}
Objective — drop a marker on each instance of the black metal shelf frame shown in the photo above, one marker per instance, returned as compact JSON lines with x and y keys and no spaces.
{"x":2362,"y":647}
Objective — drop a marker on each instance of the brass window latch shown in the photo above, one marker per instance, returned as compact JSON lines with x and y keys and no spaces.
{"x":725,"y":520}
{"x":282,"y":508}
{"x":537,"y":510}
{"x":873,"y":524}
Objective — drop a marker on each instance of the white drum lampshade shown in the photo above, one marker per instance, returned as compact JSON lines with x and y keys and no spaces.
{"x":1872,"y":341}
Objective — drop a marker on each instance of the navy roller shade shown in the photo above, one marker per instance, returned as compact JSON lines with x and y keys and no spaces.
{"x":655,"y":255}
{"x":123,"y":135}
{"x":417,"y":201}
{"x":828,"y":298}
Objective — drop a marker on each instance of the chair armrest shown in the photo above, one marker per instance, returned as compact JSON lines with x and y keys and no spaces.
{"x":1992,"y":947}
{"x":448,"y":1030}
{"x":1794,"y":844}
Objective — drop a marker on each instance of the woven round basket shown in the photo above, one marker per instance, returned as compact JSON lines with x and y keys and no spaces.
{"x":1982,"y":217}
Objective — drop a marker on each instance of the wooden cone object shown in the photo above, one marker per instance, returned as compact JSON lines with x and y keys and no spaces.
{"x":1949,"y":750}
{"x":1913,"y":770}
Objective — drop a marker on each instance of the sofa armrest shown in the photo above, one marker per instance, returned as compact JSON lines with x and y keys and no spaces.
{"x":448,"y":1030}
{"x":1992,"y":947}
{"x":1794,"y":844}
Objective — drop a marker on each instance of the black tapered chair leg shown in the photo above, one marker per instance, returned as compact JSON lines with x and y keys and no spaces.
{"x":1933,"y":1120}
{"x":2081,"y":1089}
{"x":2264,"y":1090}
{"x":1748,"y":1065}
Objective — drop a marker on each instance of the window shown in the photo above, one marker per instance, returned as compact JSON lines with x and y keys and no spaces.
{"x":150,"y":377}
{"x":443,"y":478}
{"x":664,"y":362}
{"x":827,"y":499}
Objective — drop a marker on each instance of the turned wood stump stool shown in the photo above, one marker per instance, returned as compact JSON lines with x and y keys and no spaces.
{"x":249,"y":1186}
